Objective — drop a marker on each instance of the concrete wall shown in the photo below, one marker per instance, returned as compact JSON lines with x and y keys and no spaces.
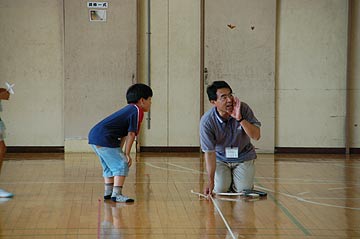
{"x":354,"y":78}
{"x":100,"y":64}
{"x":244,"y":56}
{"x":175,"y":62}
{"x":31,"y":57}
{"x":311,"y":76}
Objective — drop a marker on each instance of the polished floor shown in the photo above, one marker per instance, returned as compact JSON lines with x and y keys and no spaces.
{"x":60,"y":196}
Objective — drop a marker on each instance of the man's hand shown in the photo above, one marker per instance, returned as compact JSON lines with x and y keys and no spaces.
{"x":236,"y":111}
{"x":209,"y":189}
{"x":210,"y":159}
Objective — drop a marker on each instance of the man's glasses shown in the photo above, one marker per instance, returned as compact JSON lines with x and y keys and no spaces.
{"x":224,"y":97}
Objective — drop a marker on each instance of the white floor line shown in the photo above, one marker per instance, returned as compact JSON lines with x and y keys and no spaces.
{"x":223,"y":218}
{"x":219,"y":211}
{"x":308,"y":201}
{"x":186,"y":168}
{"x":168,"y":169}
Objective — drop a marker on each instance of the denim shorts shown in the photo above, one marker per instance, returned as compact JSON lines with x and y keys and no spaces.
{"x":113,"y":161}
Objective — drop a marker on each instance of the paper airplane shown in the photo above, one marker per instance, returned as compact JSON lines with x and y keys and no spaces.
{"x":9,"y":87}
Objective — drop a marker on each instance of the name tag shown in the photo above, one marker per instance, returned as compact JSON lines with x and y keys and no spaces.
{"x":231,"y":152}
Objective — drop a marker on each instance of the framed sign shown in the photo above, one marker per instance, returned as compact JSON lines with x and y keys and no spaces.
{"x":97,"y":15}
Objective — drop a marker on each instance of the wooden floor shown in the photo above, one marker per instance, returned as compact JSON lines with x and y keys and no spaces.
{"x":309,"y":196}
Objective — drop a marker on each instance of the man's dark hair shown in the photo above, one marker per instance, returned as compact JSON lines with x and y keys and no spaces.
{"x":211,"y":89}
{"x":138,"y":91}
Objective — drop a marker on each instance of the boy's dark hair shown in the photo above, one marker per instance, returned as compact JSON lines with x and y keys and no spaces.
{"x":138,"y":91}
{"x":211,"y":89}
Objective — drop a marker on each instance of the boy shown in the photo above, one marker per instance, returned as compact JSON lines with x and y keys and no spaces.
{"x":108,"y":137}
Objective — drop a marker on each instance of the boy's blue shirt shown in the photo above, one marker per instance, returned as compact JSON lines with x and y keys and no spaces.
{"x":109,"y":131}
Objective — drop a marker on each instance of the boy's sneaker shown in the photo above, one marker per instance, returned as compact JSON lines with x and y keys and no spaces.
{"x":122,"y":198}
{"x":4,"y":194}
{"x":107,"y":196}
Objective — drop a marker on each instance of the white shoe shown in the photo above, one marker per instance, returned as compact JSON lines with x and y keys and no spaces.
{"x":4,"y":194}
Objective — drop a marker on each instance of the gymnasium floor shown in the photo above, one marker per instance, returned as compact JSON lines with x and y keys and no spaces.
{"x":60,"y":196}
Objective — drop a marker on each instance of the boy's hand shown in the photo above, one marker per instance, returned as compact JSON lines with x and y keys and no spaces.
{"x":129,"y":160}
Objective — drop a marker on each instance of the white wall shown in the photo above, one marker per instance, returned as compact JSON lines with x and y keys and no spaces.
{"x":311,"y":76}
{"x":354,"y":75}
{"x":244,"y":56}
{"x":31,"y":57}
{"x":310,"y":71}
{"x":175,"y":62}
{"x":100,"y":65}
